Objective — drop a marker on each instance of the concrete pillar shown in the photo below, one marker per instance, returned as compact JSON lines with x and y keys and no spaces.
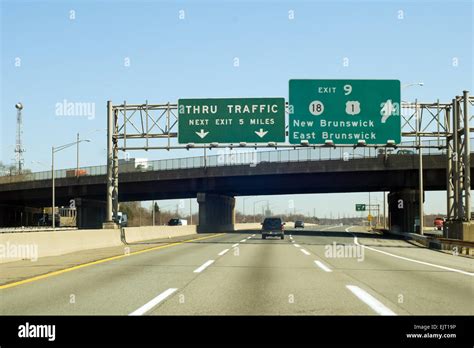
{"x":216,"y":213}
{"x":459,"y":230}
{"x":90,"y":213}
{"x":404,"y":210}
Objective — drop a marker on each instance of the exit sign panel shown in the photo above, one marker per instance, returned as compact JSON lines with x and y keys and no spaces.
{"x":344,"y":111}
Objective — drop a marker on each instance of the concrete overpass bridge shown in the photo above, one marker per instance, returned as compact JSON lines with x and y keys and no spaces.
{"x":215,"y":181}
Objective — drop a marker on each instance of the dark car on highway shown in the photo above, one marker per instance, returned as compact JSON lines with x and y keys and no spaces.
{"x":299,"y":224}
{"x":274,"y":227}
{"x":175,"y":222}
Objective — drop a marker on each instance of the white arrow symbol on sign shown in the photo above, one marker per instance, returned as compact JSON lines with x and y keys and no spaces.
{"x":261,"y":133}
{"x":387,"y":110}
{"x":202,"y":134}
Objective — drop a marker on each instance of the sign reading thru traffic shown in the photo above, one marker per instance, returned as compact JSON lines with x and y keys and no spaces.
{"x":231,"y":120}
{"x":344,"y":111}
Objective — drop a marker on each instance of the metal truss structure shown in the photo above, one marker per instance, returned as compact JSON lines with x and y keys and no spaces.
{"x":459,"y":160}
{"x":154,"y":126}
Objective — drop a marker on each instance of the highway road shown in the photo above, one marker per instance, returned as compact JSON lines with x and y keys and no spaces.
{"x":240,"y":274}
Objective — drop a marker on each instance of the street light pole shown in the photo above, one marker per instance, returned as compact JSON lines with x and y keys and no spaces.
{"x":153,"y":212}
{"x":53,"y":188}
{"x":384,"y":217}
{"x":190,"y":211}
{"x":254,"y":203}
{"x":77,"y":155}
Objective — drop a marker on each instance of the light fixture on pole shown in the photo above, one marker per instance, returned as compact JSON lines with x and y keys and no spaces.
{"x":53,"y":151}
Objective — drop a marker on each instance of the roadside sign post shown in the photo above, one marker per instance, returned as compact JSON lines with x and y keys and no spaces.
{"x":344,"y":111}
{"x":231,"y":120}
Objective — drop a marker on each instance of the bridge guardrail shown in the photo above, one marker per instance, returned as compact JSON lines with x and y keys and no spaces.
{"x":244,"y":156}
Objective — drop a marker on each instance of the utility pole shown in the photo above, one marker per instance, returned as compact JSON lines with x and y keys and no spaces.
{"x":53,"y":193}
{"x":19,"y":130}
{"x":384,"y":216}
{"x":370,"y":220}
{"x":77,"y":155}
{"x":190,"y":212}
{"x":153,"y":212}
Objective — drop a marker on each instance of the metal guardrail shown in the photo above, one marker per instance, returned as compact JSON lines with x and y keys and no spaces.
{"x":244,"y":156}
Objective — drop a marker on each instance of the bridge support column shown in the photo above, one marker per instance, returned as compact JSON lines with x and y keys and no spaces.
{"x":90,"y":213}
{"x":216,"y":213}
{"x":403,"y":207}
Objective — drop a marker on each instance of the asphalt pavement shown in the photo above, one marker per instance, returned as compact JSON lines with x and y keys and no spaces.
{"x":322,"y":270}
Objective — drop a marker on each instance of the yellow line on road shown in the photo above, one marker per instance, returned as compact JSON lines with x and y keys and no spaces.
{"x":51,"y":274}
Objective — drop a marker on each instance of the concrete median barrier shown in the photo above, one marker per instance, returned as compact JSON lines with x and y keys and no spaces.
{"x":20,"y":246}
{"x":248,"y":226}
{"x":137,"y":234}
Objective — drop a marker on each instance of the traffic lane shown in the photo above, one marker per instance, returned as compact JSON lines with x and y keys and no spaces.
{"x":114,"y":287}
{"x":324,"y":235}
{"x":389,"y":244}
{"x":416,"y":288}
{"x":403,"y":248}
{"x":265,"y":277}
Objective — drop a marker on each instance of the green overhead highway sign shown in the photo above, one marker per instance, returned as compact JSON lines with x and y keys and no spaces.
{"x":231,"y":120}
{"x":360,"y":207}
{"x":344,"y":111}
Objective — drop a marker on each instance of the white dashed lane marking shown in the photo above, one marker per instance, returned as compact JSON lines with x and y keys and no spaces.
{"x":149,"y":305}
{"x":371,"y":301}
{"x":204,"y":266}
{"x":322,"y":266}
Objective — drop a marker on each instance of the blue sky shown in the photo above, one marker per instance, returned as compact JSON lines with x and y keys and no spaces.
{"x":82,"y":60}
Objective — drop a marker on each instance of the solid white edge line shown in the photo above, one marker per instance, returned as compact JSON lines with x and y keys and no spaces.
{"x":408,"y":259}
{"x":304,"y":251}
{"x":223,"y":252}
{"x":369,"y":300}
{"x":323,"y":266}
{"x":203,"y":266}
{"x":149,"y":305}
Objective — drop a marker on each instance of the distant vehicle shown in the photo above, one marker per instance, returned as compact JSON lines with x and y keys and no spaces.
{"x":439,"y":223}
{"x":273,"y":226}
{"x":133,"y":165}
{"x":122,"y":219}
{"x":177,"y":222}
{"x":405,"y":152}
{"x":75,"y":172}
{"x":299,"y":224}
